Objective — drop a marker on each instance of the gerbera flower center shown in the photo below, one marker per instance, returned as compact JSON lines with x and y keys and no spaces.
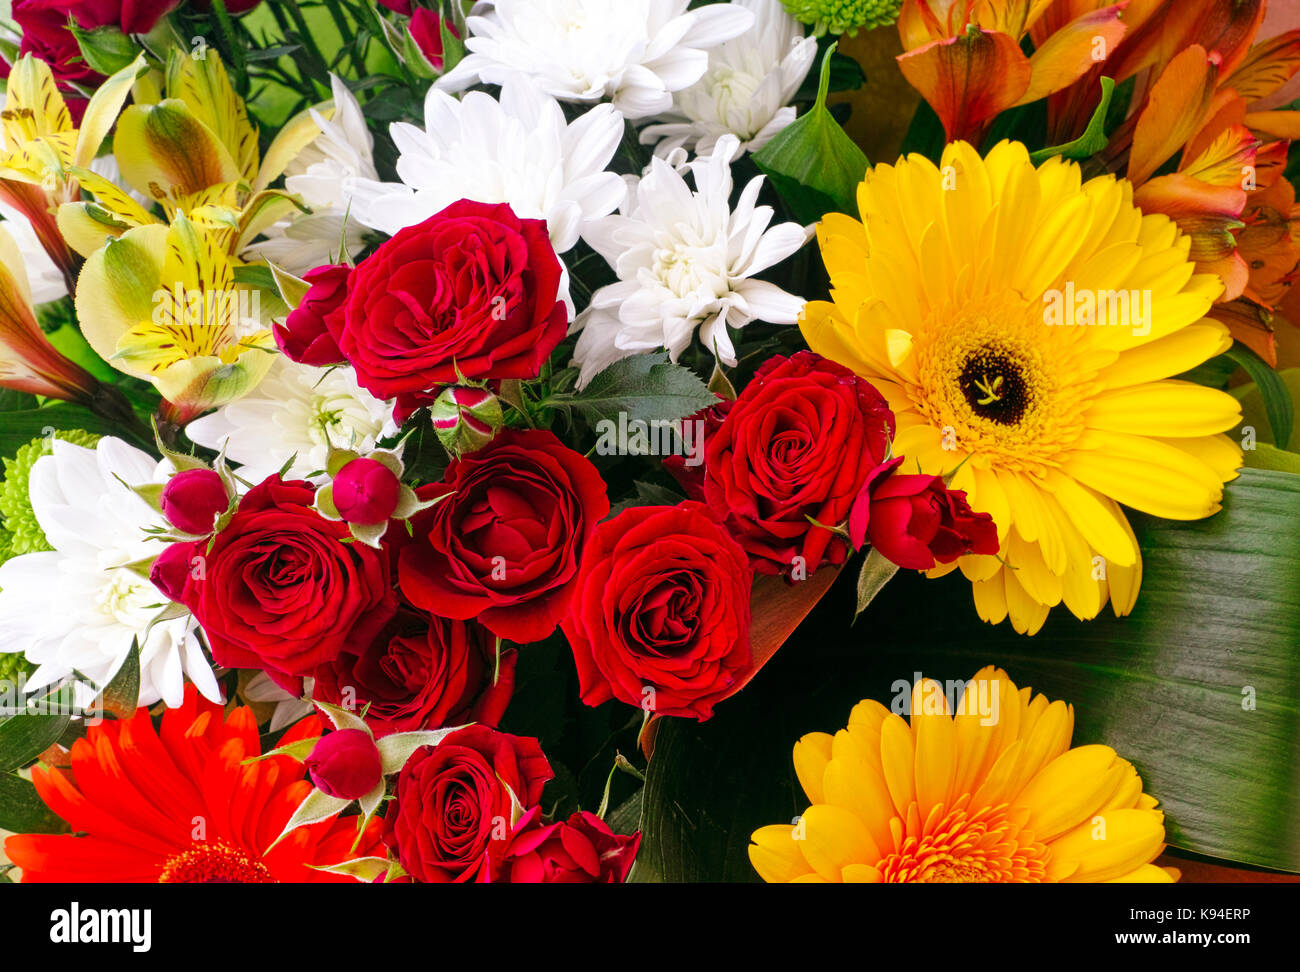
{"x":959,"y":846}
{"x":1011,"y":388}
{"x":214,"y":863}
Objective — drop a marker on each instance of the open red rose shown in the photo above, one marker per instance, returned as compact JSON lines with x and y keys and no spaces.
{"x":452,"y":809}
{"x":580,"y":850}
{"x":307,"y":334}
{"x":283,"y":589}
{"x":797,"y":444}
{"x":916,"y":521}
{"x":421,"y":673}
{"x":660,"y":617}
{"x":504,"y":547}
{"x":470,"y":293}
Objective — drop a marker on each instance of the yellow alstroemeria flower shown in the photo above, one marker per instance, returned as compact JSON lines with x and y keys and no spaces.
{"x":990,"y":794}
{"x":41,"y":151}
{"x":194,"y":152}
{"x":1026,"y":328}
{"x":162,"y":303}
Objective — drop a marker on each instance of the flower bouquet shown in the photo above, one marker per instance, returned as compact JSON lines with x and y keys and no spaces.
{"x":475,"y":442}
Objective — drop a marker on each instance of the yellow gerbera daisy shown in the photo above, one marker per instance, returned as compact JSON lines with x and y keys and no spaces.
{"x":992,"y":794}
{"x":1024,"y":327}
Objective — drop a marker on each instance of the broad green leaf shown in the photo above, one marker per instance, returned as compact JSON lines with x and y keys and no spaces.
{"x":1268,"y":456}
{"x":22,"y":811}
{"x":19,"y":428}
{"x":1255,"y":407}
{"x":643,"y":387}
{"x":1199,"y":687}
{"x":1277,"y":397}
{"x":25,"y":736}
{"x":105,"y":49}
{"x":813,"y":163}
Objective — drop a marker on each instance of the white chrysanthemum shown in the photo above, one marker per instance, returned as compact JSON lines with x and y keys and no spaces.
{"x":635,"y":52}
{"x":344,"y":150}
{"x":519,"y":150}
{"x":79,"y":606}
{"x":685,"y":261}
{"x":746,"y":90}
{"x":297,"y":412}
{"x":46,"y":279}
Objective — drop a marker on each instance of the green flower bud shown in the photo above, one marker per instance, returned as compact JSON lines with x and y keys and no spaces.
{"x":466,"y":419}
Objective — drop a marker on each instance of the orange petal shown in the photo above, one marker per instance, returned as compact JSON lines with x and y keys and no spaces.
{"x":1225,"y":28}
{"x":968,"y":80}
{"x":1279,"y":124}
{"x":1251,"y":325}
{"x":1226,"y":161}
{"x":1073,"y":50}
{"x":1269,"y":65}
{"x":1179,"y":102}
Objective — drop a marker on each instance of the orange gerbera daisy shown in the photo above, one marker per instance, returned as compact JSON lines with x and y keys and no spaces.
{"x":179,"y":806}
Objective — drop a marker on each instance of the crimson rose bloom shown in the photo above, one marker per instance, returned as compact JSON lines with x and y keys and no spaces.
{"x":450,"y":816}
{"x":662,"y":603}
{"x":915,"y":521}
{"x":504,"y":547}
{"x":468,"y":293}
{"x":306,"y":335}
{"x":798,"y":443}
{"x":580,"y":850}
{"x":281,"y":590}
{"x":422,"y":673}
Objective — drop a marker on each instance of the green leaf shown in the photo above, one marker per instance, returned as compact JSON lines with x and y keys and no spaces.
{"x":813,"y":163}
{"x":647,"y":494}
{"x":1170,"y":688}
{"x":875,"y":574}
{"x":19,"y":428}
{"x":1277,"y":397}
{"x":22,"y":811}
{"x":1265,"y":455}
{"x":25,"y":736}
{"x":643,"y":387}
{"x":1093,"y":139}
{"x":121,"y":696}
{"x":105,"y":49}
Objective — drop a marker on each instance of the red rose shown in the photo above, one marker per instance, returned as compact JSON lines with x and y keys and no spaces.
{"x":915,"y":521}
{"x":281,"y":590}
{"x":580,"y":850}
{"x":421,"y":673}
{"x":171,"y":571}
{"x":797,"y":444}
{"x":366,"y":491}
{"x":691,"y":477}
{"x":45,"y":35}
{"x":307,"y":335}
{"x":426,"y":31}
{"x":193,"y":499}
{"x":469,"y":292}
{"x":453,"y":804}
{"x":345,"y":764}
{"x":504,"y":547}
{"x":660,"y":616}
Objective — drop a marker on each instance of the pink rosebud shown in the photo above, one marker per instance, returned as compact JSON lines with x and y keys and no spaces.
{"x":193,"y":499}
{"x":345,"y":764}
{"x":580,"y":850}
{"x":174,"y":567}
{"x":366,"y":492}
{"x":306,"y":335}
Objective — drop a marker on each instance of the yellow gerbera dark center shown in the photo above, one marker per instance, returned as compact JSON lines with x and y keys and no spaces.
{"x":995,"y":386}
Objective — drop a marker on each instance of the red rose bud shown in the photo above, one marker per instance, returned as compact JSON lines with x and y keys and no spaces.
{"x":915,"y":521}
{"x":366,"y":491}
{"x":466,"y":419}
{"x":172,"y":570}
{"x":345,"y":764}
{"x":192,"y":500}
{"x":426,"y":30}
{"x":307,"y":334}
{"x":580,"y":850}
